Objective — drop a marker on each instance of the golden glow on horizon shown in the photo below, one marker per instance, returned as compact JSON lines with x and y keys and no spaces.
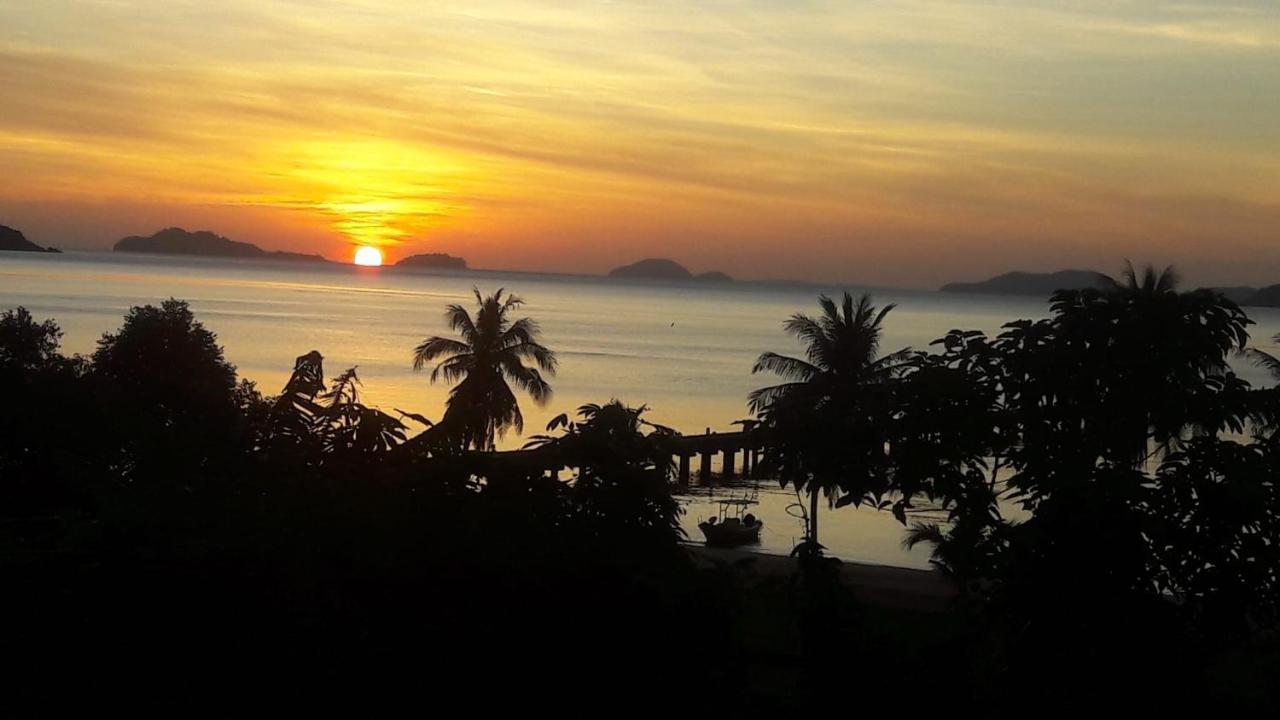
{"x":839,"y":141}
{"x":368,"y":256}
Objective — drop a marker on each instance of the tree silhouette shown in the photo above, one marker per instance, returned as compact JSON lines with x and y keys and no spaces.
{"x":485,"y":362}
{"x":1264,"y":405}
{"x":1212,"y":518}
{"x":314,"y":424}
{"x":45,"y":451}
{"x":26,"y":345}
{"x":1127,"y":371}
{"x":622,"y":488}
{"x":952,"y":437}
{"x":350,"y":429}
{"x":296,"y":411}
{"x":172,"y":393}
{"x":1105,"y":415}
{"x":827,"y":420}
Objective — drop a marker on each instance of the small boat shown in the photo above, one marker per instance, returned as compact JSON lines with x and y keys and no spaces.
{"x":732,"y":525}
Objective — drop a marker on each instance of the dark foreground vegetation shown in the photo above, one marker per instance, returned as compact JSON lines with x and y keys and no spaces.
{"x":1100,"y":486}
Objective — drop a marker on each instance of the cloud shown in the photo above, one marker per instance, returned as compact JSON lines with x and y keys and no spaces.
{"x":901,"y":123}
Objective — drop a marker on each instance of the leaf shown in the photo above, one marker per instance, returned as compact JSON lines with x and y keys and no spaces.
{"x":415,"y":416}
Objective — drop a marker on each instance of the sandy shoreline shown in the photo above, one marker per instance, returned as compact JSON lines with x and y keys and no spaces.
{"x":880,"y":585}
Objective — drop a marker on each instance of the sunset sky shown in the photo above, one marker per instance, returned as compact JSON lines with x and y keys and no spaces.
{"x":892,"y":143}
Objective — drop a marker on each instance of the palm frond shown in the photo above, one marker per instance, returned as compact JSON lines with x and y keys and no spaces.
{"x":930,"y":533}
{"x":1130,"y":275}
{"x":786,"y":367}
{"x":830,"y":314}
{"x":884,"y":311}
{"x":544,"y":358}
{"x":437,"y":347}
{"x":890,"y":366}
{"x":1266,"y":361}
{"x":765,"y":398}
{"x":527,"y":379}
{"x":453,"y":369}
{"x":519,"y":332}
{"x":419,"y":418}
{"x":812,"y":333}
{"x":459,"y":319}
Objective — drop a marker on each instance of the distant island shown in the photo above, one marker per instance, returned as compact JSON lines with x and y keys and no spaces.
{"x":1044,"y":284}
{"x":1024,"y":283}
{"x":14,"y":240}
{"x":664,"y":269}
{"x":433,"y":260}
{"x":1241,"y":295}
{"x":176,"y":241}
{"x":1265,"y":297}
{"x":713,"y":277}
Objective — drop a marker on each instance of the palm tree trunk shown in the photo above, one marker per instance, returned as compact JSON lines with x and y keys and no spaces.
{"x":813,"y":515}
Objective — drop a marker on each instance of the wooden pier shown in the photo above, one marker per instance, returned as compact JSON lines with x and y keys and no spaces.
{"x":745,"y":445}
{"x":728,"y":445}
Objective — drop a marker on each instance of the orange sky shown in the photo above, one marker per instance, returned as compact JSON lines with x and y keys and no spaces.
{"x":893,"y":143}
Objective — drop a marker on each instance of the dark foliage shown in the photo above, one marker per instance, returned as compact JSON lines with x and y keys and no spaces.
{"x":1093,"y":514}
{"x":622,"y":490}
{"x":171,"y":398}
{"x":1082,"y":479}
{"x":167,"y":532}
{"x":209,"y":542}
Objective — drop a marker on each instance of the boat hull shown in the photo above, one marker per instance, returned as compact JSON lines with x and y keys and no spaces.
{"x":730,"y":535}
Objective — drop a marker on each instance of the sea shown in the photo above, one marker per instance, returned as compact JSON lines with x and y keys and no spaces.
{"x":684,"y":350}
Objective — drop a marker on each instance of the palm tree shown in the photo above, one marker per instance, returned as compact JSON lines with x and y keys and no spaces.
{"x":1267,"y":361}
{"x":823,"y":420}
{"x":1266,"y":401}
{"x":1152,"y":283}
{"x":1155,"y":361}
{"x":485,"y":362}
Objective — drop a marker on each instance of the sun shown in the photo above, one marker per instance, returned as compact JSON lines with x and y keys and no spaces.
{"x":368,"y":255}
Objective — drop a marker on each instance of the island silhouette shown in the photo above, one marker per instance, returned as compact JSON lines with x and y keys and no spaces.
{"x":433,"y":261}
{"x":14,"y":240}
{"x":1045,"y":284}
{"x":664,"y":269}
{"x":1027,"y":283}
{"x":206,"y":243}
{"x":177,"y":241}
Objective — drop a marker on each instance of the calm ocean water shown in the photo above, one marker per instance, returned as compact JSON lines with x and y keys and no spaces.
{"x":684,"y":350}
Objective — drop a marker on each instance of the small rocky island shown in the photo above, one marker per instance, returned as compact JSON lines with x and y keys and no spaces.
{"x":14,"y":240}
{"x":435,"y":261}
{"x":664,"y":269}
{"x":176,"y":241}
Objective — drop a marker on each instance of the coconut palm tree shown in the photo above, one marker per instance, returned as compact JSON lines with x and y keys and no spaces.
{"x":1145,"y":362}
{"x":489,"y":358}
{"x":1267,"y":361}
{"x":1266,"y":401}
{"x":825,"y":419}
{"x":1152,"y":282}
